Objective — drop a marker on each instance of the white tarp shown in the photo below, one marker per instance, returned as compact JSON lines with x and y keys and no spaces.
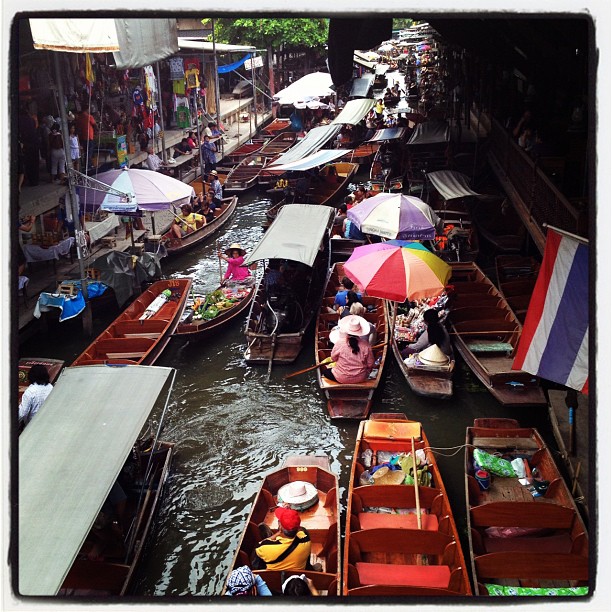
{"x":354,"y":111}
{"x":316,"y":159}
{"x":451,"y":184}
{"x":207,"y":46}
{"x":309,"y":87}
{"x":314,"y":140}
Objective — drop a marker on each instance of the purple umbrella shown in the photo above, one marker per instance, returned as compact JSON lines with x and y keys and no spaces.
{"x":396,"y":216}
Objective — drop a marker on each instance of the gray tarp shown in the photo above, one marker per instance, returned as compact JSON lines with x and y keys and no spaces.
{"x":296,"y":234}
{"x":430,"y":132}
{"x":314,"y":140}
{"x":388,"y":134}
{"x":361,"y":87}
{"x":144,"y":41}
{"x":69,"y":457}
{"x":451,"y":184}
{"x":354,"y":111}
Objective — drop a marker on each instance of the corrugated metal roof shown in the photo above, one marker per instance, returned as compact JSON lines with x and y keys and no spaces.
{"x":69,"y":457}
{"x":296,"y":234}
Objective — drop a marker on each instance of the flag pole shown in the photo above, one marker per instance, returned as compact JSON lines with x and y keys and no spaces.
{"x":566,"y":233}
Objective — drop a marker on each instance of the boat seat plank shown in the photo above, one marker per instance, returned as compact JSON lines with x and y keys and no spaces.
{"x":373,"y":520}
{"x":125,"y":355}
{"x":436,"y":576}
{"x":532,"y":565}
{"x":522,"y":514}
{"x":404,"y":541}
{"x":514,"y":443}
{"x":375,"y":590}
{"x":489,"y":346}
{"x":396,"y":496}
{"x":560,"y":543}
{"x":326,"y":383}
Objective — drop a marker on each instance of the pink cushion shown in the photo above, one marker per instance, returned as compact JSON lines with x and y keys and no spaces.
{"x":372,"y":520}
{"x":436,"y":576}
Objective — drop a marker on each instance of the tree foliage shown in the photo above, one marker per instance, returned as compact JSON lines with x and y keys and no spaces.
{"x":266,"y":33}
{"x":403,"y":24}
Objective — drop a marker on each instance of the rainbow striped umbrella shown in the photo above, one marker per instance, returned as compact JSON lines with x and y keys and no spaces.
{"x":397,"y":270}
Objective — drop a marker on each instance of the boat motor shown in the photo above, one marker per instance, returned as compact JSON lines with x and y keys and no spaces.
{"x":458,"y":240}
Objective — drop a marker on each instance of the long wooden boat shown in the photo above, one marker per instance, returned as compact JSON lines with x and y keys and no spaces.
{"x":500,"y":225}
{"x":516,"y":278}
{"x":522,"y":536}
{"x":342,"y":248}
{"x":280,"y":315}
{"x":486,"y":334}
{"x":379,"y":182}
{"x":321,"y":520}
{"x":75,"y":539}
{"x":194,"y":327}
{"x":53,"y":366}
{"x":223,"y":213}
{"x":349,"y":401}
{"x":282,"y":142}
{"x":244,"y":150}
{"x":424,"y":380}
{"x":386,"y":551}
{"x":134,"y":337}
{"x":325,"y":190}
{"x":276,"y":126}
{"x":459,"y":238}
{"x":243,"y":176}
{"x":363,"y":154}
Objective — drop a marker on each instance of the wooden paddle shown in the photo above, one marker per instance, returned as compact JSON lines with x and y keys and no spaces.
{"x":318,"y":365}
{"x":416,"y":485}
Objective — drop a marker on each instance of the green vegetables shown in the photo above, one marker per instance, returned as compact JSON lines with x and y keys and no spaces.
{"x":208,"y":307}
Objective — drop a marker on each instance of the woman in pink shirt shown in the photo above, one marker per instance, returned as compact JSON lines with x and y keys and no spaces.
{"x":234,"y":256}
{"x":352,"y":353}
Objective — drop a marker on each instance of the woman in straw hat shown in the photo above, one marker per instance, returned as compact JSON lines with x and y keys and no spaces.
{"x":352,"y":353}
{"x":435,"y":333}
{"x":234,"y":255}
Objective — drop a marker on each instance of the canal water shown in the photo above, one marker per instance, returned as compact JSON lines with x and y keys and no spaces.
{"x":231,"y":426}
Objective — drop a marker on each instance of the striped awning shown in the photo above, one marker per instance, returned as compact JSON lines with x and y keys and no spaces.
{"x":354,"y":111}
{"x":70,"y":455}
{"x":316,"y":139}
{"x":312,"y":161}
{"x":451,"y":184}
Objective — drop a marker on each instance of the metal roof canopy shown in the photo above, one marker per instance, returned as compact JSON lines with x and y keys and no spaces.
{"x":354,"y":111}
{"x":312,"y":161}
{"x":69,"y":457}
{"x":312,"y":142}
{"x":207,"y":46}
{"x":296,"y":234}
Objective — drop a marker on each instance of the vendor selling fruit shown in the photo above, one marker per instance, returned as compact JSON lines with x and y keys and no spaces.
{"x":234,"y":256}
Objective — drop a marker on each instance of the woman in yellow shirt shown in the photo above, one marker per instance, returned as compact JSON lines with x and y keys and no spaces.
{"x":187,"y":222}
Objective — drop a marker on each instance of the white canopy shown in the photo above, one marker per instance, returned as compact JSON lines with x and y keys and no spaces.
{"x":354,"y":111}
{"x":451,"y":184}
{"x":314,"y":140}
{"x":316,"y":159}
{"x":309,"y":87}
{"x":69,"y":457}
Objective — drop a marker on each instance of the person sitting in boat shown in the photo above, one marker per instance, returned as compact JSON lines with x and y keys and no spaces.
{"x":357,"y":308}
{"x":274,"y":278}
{"x":352,"y":353}
{"x":242,"y":581}
{"x":36,"y":393}
{"x":347,"y":285}
{"x":197,"y":203}
{"x":216,"y":187}
{"x":435,"y":333}
{"x":352,"y":297}
{"x":350,"y":230}
{"x":272,"y":551}
{"x":299,"y":586}
{"x":234,"y":255}
{"x":339,"y":220}
{"x":208,"y":207}
{"x":187,"y":222}
{"x":360,"y":194}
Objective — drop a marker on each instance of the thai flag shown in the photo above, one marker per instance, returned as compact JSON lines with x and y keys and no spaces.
{"x":554,"y":344}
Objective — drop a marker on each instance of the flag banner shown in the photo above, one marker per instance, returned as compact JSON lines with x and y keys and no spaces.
{"x":554,"y":343}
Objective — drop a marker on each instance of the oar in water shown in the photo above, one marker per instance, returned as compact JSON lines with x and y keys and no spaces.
{"x":322,"y":363}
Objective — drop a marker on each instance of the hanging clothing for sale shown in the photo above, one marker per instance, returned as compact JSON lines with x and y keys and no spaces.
{"x":150,"y":82}
{"x":178,"y":86}
{"x":176,"y":68}
{"x":183,"y":117}
{"x":192,"y":76}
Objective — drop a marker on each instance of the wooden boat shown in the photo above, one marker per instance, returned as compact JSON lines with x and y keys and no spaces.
{"x":486,"y":333}
{"x":243,"y":176}
{"x":321,"y":520}
{"x":244,"y":150}
{"x":363,"y":154}
{"x":276,"y":126}
{"x":325,"y":190}
{"x":459,"y":239}
{"x":132,"y":339}
{"x":280,"y":315}
{"x":200,"y":186}
{"x":174,"y":246}
{"x":516,"y":278}
{"x":388,"y":553}
{"x":280,"y":143}
{"x":54,"y":367}
{"x":500,"y":225}
{"x":380,"y":180}
{"x":349,"y":401}
{"x":342,"y":248}
{"x":516,"y":539}
{"x":195,"y":329}
{"x":424,"y":380}
{"x":76,"y":540}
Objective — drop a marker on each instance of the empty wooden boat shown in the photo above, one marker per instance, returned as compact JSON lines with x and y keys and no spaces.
{"x":276,"y":126}
{"x":223,"y":213}
{"x":525,"y":539}
{"x":287,"y":300}
{"x":75,"y":539}
{"x":244,"y":150}
{"x":400,"y":540}
{"x":243,"y":176}
{"x":142,"y":331}
{"x":350,"y":401}
{"x":321,"y":519}
{"x":516,"y":278}
{"x":363,"y":154}
{"x":203,"y":318}
{"x":333,"y":182}
{"x":485,"y":333}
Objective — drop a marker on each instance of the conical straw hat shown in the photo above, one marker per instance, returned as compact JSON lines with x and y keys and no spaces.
{"x":433,"y":355}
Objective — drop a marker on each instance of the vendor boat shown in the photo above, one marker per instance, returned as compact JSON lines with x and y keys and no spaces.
{"x":526,"y":534}
{"x":175,"y":246}
{"x":516,"y":278}
{"x":363,"y":154}
{"x":141,"y":332}
{"x":401,"y":539}
{"x":349,"y":401}
{"x":486,"y":333}
{"x":205,"y":315}
{"x":320,"y":515}
{"x":76,"y":540}
{"x":281,"y":311}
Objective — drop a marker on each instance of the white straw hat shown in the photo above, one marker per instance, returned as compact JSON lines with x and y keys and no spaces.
{"x":386,"y":476}
{"x":433,"y":355}
{"x":354,"y":325}
{"x":298,"y":495}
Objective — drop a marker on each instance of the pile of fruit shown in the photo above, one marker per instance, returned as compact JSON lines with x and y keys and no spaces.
{"x":208,"y":307}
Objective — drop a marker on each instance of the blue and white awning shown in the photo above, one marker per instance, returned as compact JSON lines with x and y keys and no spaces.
{"x":313,"y":161}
